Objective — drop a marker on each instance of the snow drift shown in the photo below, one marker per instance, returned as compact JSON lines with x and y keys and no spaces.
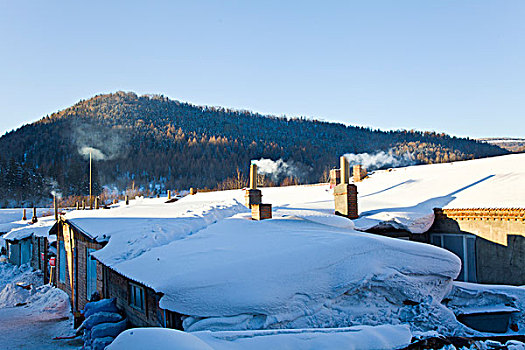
{"x":381,"y":337}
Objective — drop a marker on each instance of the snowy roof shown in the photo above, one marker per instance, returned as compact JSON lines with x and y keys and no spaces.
{"x":305,"y":267}
{"x":405,"y":197}
{"x":212,"y":262}
{"x":12,"y":218}
{"x":40,"y":229}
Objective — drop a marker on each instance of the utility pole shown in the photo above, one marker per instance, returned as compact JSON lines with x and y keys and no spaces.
{"x":90,"y":197}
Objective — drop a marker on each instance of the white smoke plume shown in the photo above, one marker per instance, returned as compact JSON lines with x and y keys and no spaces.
{"x":96,"y":154}
{"x":55,"y":189}
{"x":276,"y":169}
{"x":380,"y":160}
{"x":104,"y":142}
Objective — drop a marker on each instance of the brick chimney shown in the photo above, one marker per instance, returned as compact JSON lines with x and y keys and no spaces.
{"x":345,"y":194}
{"x":335,"y":177}
{"x":359,"y":173}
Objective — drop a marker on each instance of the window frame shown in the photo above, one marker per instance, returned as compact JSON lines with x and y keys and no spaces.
{"x":465,"y":266}
{"x":132,"y":296}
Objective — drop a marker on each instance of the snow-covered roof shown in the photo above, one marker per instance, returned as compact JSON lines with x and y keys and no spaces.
{"x":305,"y":267}
{"x":40,"y":229}
{"x":405,"y":197}
{"x":12,"y":218}
{"x":212,"y":262}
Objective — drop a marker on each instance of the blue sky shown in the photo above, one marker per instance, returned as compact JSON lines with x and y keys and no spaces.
{"x":447,"y":66}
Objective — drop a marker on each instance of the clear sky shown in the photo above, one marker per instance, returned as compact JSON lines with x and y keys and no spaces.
{"x":447,"y":66}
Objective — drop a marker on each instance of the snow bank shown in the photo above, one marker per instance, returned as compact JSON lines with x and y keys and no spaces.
{"x":13,"y":274}
{"x":381,"y":337}
{"x":12,"y":295}
{"x":45,"y":301}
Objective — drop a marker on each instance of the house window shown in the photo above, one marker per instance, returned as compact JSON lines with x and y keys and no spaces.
{"x":91,"y":273}
{"x":61,"y":262}
{"x":464,"y":246}
{"x":136,"y":296}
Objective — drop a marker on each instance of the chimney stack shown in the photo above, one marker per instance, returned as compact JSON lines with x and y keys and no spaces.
{"x":335,"y":177}
{"x":34,"y":218}
{"x":359,"y":173}
{"x":345,"y":174}
{"x":253,"y":195}
{"x":253,"y":176}
{"x":24,"y":217}
{"x":345,"y":194}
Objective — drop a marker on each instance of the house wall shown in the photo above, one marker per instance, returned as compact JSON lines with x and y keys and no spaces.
{"x":117,"y":286}
{"x":501,"y":264}
{"x":75,"y":284}
{"x":500,"y":241}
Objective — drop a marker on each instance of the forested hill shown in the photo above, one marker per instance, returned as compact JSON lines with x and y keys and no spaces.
{"x":152,"y":140}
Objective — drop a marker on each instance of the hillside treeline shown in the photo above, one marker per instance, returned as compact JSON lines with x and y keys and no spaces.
{"x":158,"y":144}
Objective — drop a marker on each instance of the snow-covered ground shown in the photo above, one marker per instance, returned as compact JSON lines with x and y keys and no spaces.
{"x":31,"y":318}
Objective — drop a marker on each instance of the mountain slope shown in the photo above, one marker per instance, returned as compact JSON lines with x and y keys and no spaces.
{"x":156,"y":141}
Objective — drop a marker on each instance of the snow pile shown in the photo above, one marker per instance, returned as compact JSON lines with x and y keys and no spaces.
{"x":11,"y":274}
{"x":13,"y":295}
{"x":381,"y":337}
{"x":45,"y":301}
{"x":50,"y":302}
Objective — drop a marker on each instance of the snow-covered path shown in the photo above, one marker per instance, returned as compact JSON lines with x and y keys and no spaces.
{"x":20,"y":328}
{"x":44,"y":315}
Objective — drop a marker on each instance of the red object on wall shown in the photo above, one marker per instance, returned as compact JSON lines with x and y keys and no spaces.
{"x":52,"y":261}
{"x":41,"y":256}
